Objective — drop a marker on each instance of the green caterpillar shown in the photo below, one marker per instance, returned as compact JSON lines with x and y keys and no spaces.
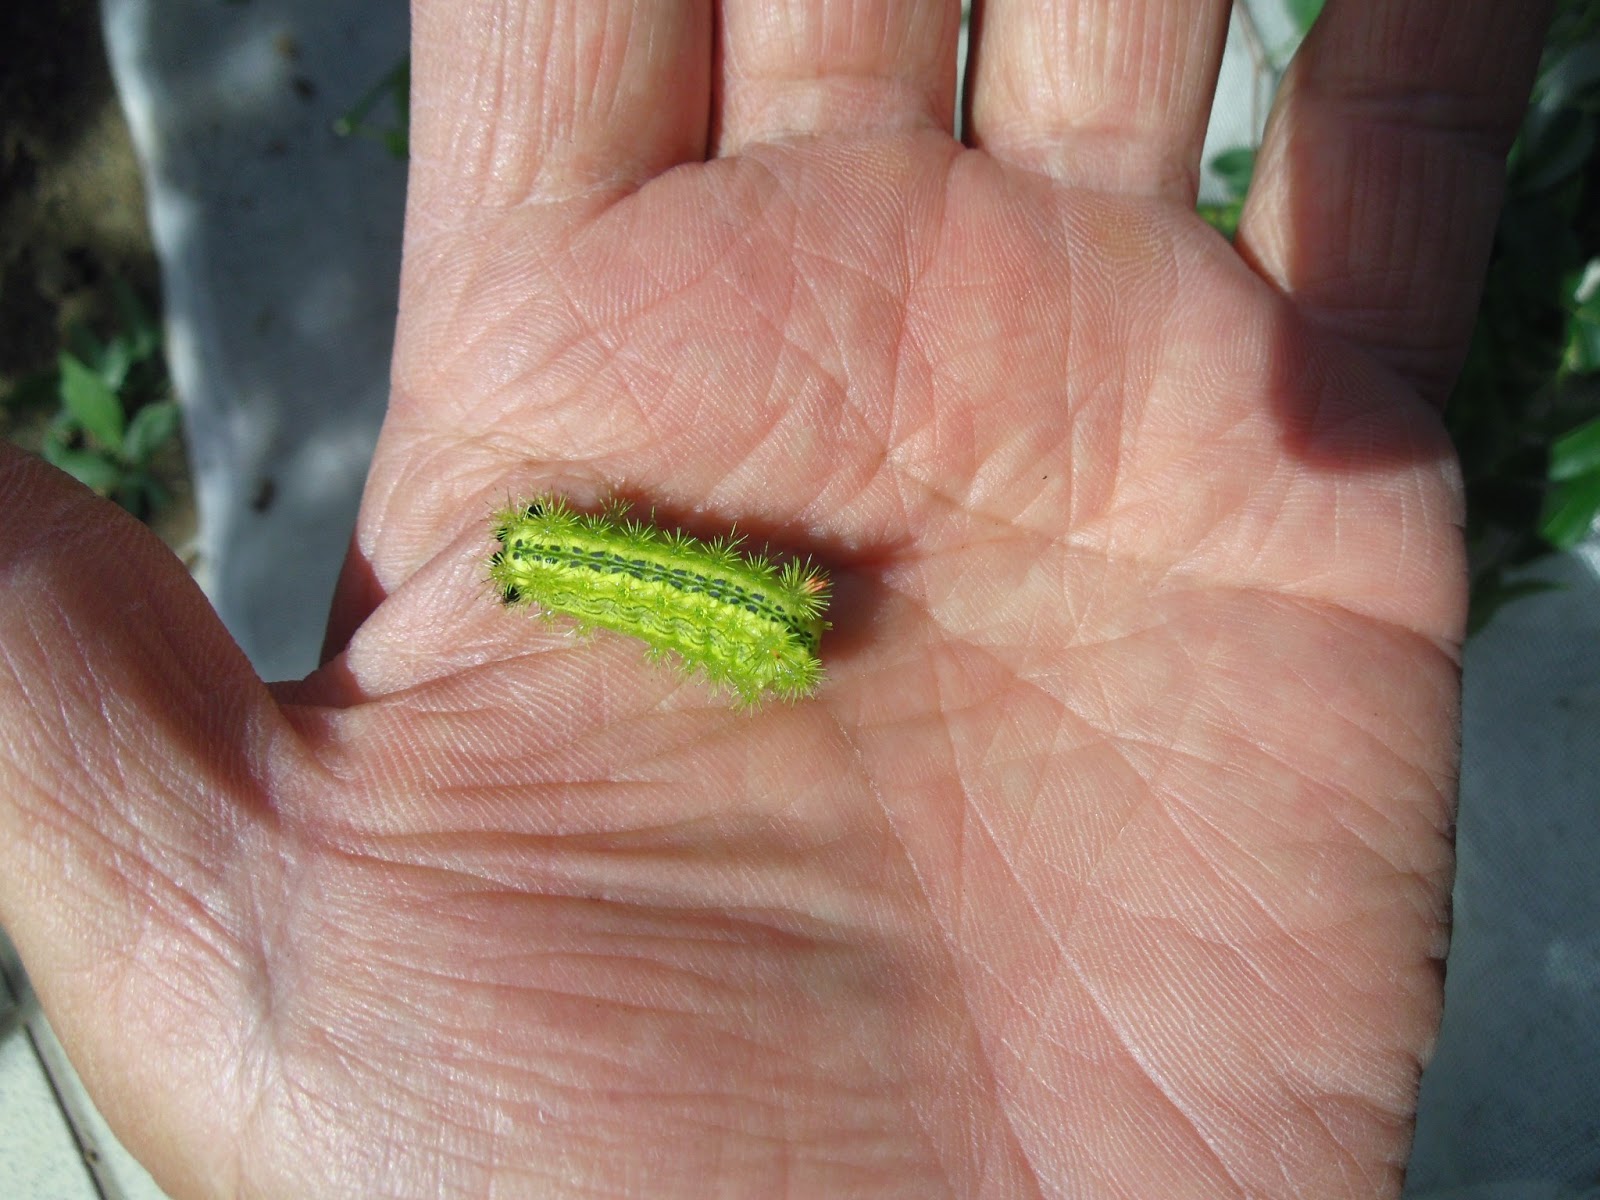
{"x":748,"y":624}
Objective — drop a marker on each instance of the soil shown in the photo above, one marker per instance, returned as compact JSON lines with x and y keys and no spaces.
{"x":72,"y":215}
{"x":71,"y":203}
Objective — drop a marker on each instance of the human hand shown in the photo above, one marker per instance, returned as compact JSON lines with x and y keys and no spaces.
{"x":1112,"y":857}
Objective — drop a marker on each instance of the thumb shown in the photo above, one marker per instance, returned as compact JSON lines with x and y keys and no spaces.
{"x":133,"y":798}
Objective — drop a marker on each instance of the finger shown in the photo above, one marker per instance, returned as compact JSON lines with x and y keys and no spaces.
{"x":524,"y":99}
{"x":793,"y":68}
{"x":1110,"y":94}
{"x":1379,"y":181}
{"x":127,"y":718}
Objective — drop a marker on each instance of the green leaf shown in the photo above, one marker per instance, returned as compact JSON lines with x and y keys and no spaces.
{"x":1576,"y":453}
{"x":114,"y":363}
{"x":151,"y":428}
{"x":1582,"y":353}
{"x":1234,"y":168}
{"x":91,"y":403}
{"x":1224,"y":218}
{"x":1572,"y":75}
{"x":1570,"y":510}
{"x":395,"y":88}
{"x":88,"y":468}
{"x":1303,"y":13}
{"x":1552,"y":148}
{"x":141,"y":494}
{"x":1534,"y":362}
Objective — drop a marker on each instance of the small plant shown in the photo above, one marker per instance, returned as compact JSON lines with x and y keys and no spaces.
{"x":115,"y":410}
{"x":395,"y":87}
{"x":1523,"y":414}
{"x":1233,"y":169}
{"x":1571,"y":505}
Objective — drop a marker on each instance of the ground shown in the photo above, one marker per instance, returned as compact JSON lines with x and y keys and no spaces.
{"x":72,"y":217}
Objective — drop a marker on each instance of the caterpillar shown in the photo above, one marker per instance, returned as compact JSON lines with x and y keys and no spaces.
{"x":748,"y":624}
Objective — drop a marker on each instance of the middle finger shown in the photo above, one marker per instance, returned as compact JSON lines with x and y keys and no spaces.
{"x":1110,"y":94}
{"x":796,"y":67}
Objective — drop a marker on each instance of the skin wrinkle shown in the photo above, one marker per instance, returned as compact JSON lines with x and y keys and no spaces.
{"x":974,"y":810}
{"x":478,"y":345}
{"x":597,"y":95}
{"x":1167,"y":568}
{"x":1150,"y":1075}
{"x":1379,"y":811}
{"x":1275,"y":758}
{"x":1400,"y":105}
{"x":992,"y":1074}
{"x":642,"y":400}
{"x":598,"y":354}
{"x":745,"y":1101}
{"x":544,"y":854}
{"x":1264,"y":981}
{"x":1080,"y":114}
{"x":133,"y":847}
{"x":774,"y":61}
{"x":489,"y":72}
{"x":949,"y":938}
{"x":1376,"y":736}
{"x":970,"y":813}
{"x":800,"y":109}
{"x":1148,"y":1070}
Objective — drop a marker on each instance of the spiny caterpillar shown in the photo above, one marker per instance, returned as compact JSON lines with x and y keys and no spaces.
{"x":750,"y":625}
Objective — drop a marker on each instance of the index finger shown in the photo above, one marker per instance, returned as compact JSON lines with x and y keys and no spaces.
{"x":514,"y":100}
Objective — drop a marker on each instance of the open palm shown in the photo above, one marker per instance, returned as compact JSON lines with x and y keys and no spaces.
{"x":1112,"y":857}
